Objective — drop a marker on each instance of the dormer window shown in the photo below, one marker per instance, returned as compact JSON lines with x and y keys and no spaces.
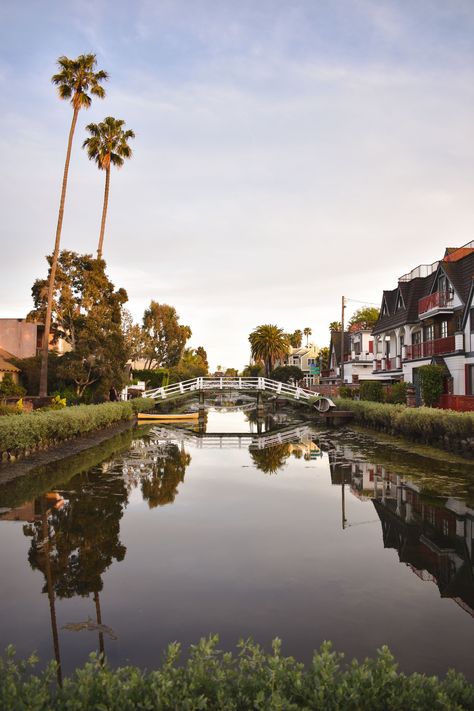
{"x":444,"y":286}
{"x":399,"y":302}
{"x":384,"y":309}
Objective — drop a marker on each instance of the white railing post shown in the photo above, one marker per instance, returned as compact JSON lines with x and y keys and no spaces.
{"x":220,"y":383}
{"x":163,"y":394}
{"x":279,"y":388}
{"x":181,"y":389}
{"x":240,"y":383}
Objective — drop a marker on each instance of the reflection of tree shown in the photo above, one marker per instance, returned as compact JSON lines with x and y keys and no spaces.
{"x":271,"y":459}
{"x":84,"y":535}
{"x":74,"y":545}
{"x":160,"y":484}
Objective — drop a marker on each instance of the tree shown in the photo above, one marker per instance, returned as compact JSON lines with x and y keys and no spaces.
{"x":107,"y":145}
{"x":164,"y":338}
{"x":133,"y":336}
{"x":267,"y":343}
{"x":76,"y":81}
{"x":86,"y":313}
{"x":296,"y":338}
{"x":201,"y":353}
{"x":335,"y":326}
{"x":307,"y":332}
{"x":287,"y":373}
{"x":365,"y":318}
{"x":324,"y":357}
{"x":231,"y":372}
{"x":191,"y":365}
{"x":271,"y":459}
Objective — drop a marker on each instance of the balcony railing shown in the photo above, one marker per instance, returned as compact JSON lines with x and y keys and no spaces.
{"x":431,"y":348}
{"x":438,"y":300}
{"x":378,"y":365}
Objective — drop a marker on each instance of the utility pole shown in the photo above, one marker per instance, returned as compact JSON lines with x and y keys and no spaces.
{"x":342,"y":340}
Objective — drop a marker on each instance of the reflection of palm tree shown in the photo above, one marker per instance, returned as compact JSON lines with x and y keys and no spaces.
{"x":160,"y":486}
{"x":46,"y":553}
{"x":270,"y":460}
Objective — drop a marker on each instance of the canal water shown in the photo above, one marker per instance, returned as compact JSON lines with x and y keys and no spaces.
{"x":253,"y":528}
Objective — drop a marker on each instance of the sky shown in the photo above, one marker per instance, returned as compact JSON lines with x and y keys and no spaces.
{"x":287,"y":152}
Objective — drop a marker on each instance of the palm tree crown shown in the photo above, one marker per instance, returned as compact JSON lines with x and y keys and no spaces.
{"x":107,"y":144}
{"x":77,"y":77}
{"x":267,"y":343}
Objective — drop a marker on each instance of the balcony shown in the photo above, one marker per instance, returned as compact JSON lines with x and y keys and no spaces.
{"x":440,"y":300}
{"x":431,"y":348}
{"x":378,"y":365}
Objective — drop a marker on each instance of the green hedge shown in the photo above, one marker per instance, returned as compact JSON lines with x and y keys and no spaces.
{"x":224,"y":682}
{"x":27,"y":431}
{"x":448,"y":429}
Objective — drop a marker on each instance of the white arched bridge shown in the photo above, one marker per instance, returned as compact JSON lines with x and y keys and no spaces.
{"x":256,"y":385}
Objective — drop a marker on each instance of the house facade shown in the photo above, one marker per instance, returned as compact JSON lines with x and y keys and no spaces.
{"x":429,"y":318}
{"x":24,"y":339}
{"x":358,"y":356}
{"x":304,"y":358}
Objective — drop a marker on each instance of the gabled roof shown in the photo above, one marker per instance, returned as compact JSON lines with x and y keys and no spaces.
{"x":5,"y":365}
{"x":336,"y":344}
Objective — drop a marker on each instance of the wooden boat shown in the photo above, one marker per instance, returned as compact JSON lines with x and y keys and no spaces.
{"x":168,"y":418}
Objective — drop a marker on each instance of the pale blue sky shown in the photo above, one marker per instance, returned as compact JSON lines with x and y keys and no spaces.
{"x":286,"y":153}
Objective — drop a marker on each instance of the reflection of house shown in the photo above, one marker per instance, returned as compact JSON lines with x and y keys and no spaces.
{"x":32,"y":510}
{"x":429,"y":318}
{"x":434,"y":536}
{"x":6,"y":366}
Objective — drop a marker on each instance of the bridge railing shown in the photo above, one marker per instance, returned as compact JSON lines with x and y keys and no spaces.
{"x":200,"y":384}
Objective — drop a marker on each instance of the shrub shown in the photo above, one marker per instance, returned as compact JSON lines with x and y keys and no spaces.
{"x":41,"y":428}
{"x":431,"y":381}
{"x":398,"y":393}
{"x":253,"y":679}
{"x":285,"y":373}
{"x":371,"y":390}
{"x":10,"y":389}
{"x":347,"y":392}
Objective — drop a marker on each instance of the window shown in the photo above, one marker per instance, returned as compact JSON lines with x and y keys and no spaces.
{"x":471,"y":319}
{"x":311,"y":361}
{"x":443,"y":329}
{"x":429,"y":333}
{"x":416,"y":338}
{"x":399,"y":302}
{"x":357,"y":348}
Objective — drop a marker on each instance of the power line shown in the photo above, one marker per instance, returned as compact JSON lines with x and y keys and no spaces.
{"x":356,"y":301}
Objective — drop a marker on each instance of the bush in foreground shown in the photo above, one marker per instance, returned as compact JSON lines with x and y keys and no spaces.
{"x":252,"y":679}
{"x":24,"y":432}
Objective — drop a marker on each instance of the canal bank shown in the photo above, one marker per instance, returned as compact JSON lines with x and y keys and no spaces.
{"x":446,"y":429}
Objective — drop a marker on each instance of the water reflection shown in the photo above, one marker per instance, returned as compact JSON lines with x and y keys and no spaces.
{"x":433,"y":535}
{"x":158,"y":467}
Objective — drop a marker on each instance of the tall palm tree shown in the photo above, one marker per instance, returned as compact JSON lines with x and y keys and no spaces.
{"x":268,"y":343}
{"x":307,"y":332}
{"x":107,"y":146}
{"x":76,"y":80}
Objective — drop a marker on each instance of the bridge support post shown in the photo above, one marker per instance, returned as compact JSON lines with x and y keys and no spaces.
{"x":201,"y":400}
{"x":260,"y":407}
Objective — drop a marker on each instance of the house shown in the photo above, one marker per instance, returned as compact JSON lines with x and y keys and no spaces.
{"x":24,"y":339}
{"x":429,"y":318}
{"x":332,"y":376}
{"x":306,"y":358}
{"x":6,"y":366}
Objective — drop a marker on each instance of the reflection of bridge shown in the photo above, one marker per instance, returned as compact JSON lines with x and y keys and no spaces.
{"x":258,"y":385}
{"x":230,"y":440}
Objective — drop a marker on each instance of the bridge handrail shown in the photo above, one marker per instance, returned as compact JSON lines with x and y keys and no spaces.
{"x":202,"y":383}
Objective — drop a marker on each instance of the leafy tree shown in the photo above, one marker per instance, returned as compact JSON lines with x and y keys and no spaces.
{"x":87,"y":314}
{"x":107,"y":145}
{"x":191,"y":365}
{"x":231,"y":372}
{"x":201,"y":352}
{"x":335,"y":326}
{"x":296,"y":338}
{"x":287,"y":373}
{"x":254,"y":370}
{"x":307,"y":332}
{"x":164,"y":338}
{"x":133,"y":336}
{"x":76,"y":80}
{"x":365,"y":317}
{"x":267,"y":343}
{"x":431,"y":379}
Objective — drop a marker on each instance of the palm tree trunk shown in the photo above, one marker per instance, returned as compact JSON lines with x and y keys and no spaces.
{"x":98,"y":615}
{"x":43,"y":387}
{"x":104,"y":212}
